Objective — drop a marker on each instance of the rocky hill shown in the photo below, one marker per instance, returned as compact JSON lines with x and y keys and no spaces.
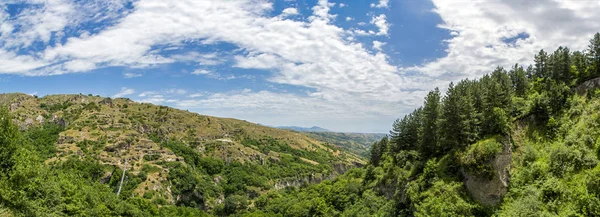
{"x":150,"y":139}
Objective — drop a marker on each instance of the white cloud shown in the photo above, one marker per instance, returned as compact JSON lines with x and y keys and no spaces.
{"x":36,"y":23}
{"x":381,"y":4}
{"x":201,"y":72}
{"x":196,"y":95}
{"x":131,"y":75}
{"x":289,"y":12}
{"x":381,"y":23}
{"x":124,"y":92}
{"x":378,"y":45}
{"x":176,"y":91}
{"x":341,"y":5}
{"x":349,"y":19}
{"x":478,"y":29}
{"x":206,"y":59}
{"x":147,"y":93}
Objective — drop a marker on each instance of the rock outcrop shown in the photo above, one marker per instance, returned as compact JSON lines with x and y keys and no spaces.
{"x":491,"y":191}
{"x":585,"y":86}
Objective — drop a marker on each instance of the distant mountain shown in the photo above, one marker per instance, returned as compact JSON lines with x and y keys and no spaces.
{"x":304,"y":129}
{"x":357,"y":143}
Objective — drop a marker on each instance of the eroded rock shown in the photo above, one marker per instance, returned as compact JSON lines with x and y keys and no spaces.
{"x":491,"y":191}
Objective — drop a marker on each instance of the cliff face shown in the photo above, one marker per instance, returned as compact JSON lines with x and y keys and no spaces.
{"x":585,"y":86}
{"x":491,"y":191}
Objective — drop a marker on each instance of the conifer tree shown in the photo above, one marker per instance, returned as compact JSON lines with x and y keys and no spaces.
{"x":429,"y":137}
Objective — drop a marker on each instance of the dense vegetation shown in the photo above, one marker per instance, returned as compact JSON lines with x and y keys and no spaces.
{"x":542,"y":121}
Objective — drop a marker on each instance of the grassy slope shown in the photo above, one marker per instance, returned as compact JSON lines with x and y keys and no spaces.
{"x":120,"y":129}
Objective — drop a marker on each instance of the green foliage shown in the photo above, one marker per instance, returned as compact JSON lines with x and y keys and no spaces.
{"x":44,"y":138}
{"x":191,"y":188}
{"x":476,"y":158}
{"x":235,"y":204}
{"x":443,"y":199}
{"x":10,"y":139}
{"x":55,"y":107}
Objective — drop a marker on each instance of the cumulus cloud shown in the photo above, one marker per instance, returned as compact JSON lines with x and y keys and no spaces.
{"x":124,"y":92}
{"x":289,"y":12}
{"x":381,"y":4}
{"x":381,"y":23}
{"x":378,"y":45}
{"x":201,"y":72}
{"x":478,"y":31}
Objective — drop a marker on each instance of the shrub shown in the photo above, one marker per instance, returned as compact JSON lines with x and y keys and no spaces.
{"x":476,"y":158}
{"x":444,"y":199}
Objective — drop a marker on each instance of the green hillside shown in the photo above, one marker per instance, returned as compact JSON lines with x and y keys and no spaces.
{"x":173,"y":158}
{"x":357,"y":143}
{"x":516,"y":142}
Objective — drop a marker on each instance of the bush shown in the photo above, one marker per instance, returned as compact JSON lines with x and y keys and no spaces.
{"x":565,"y":160}
{"x":234,"y":204}
{"x":476,"y":158}
{"x":444,"y":199}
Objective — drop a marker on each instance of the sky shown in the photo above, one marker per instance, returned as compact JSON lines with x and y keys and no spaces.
{"x":348,"y":66}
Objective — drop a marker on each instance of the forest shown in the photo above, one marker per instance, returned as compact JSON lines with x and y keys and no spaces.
{"x":521,"y":141}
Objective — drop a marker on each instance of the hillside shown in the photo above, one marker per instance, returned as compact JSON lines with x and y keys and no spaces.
{"x":357,"y":143}
{"x":155,"y":143}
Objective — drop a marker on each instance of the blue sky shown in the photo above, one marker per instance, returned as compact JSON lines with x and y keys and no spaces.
{"x":352,"y":66}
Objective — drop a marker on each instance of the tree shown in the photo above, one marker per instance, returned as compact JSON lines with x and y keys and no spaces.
{"x":456,"y":127}
{"x":560,"y":65}
{"x":9,"y":141}
{"x":580,"y":66}
{"x":519,"y":79}
{"x":428,"y":133}
{"x":376,"y":153}
{"x":594,"y":55}
{"x":235,"y":203}
{"x":405,"y":132}
{"x":497,"y":94}
{"x":541,"y":65}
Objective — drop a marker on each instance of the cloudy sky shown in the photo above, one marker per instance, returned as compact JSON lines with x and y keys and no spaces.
{"x":342,"y":65}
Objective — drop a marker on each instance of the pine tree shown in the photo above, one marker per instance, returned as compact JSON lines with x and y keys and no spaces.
{"x":594,"y":55}
{"x":519,"y":80}
{"x":376,"y":154}
{"x":541,"y":65}
{"x":429,"y":141}
{"x":580,"y":66}
{"x":560,"y":65}
{"x":405,"y":132}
